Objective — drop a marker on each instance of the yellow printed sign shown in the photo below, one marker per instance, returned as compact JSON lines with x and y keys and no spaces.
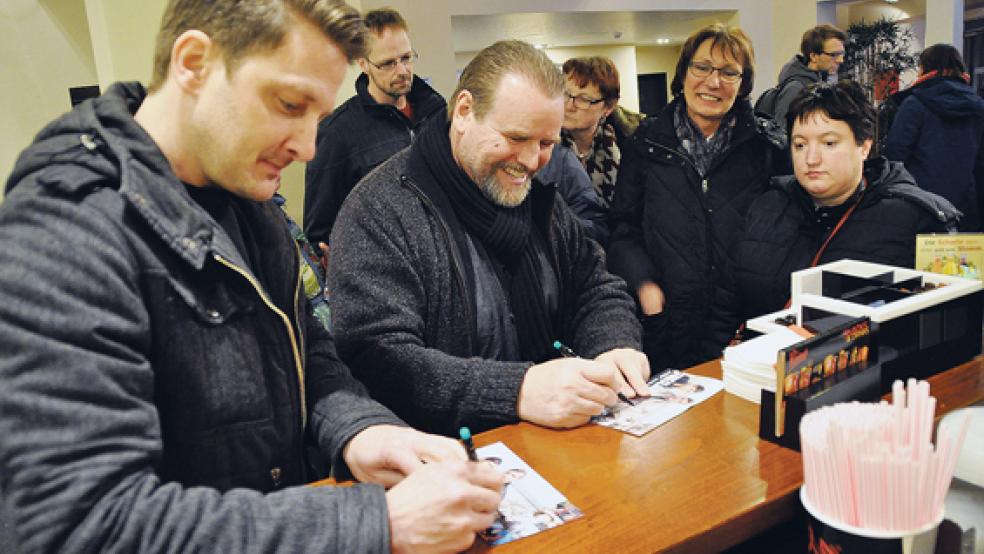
{"x":960,"y":254}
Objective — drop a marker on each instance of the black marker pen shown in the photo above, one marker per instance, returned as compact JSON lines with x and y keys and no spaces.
{"x":566,"y":352}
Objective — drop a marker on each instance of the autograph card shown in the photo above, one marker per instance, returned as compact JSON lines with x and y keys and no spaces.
{"x":672,"y":393}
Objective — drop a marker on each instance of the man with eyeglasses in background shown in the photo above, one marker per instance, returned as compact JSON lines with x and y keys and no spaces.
{"x":389,"y":106}
{"x":821,"y":53}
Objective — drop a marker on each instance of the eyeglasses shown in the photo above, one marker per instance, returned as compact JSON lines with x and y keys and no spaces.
{"x":581,"y":101}
{"x":835,"y":55}
{"x":389,"y":65}
{"x":703,"y":70}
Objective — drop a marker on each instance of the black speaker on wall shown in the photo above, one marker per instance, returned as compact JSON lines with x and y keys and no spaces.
{"x":80,"y":94}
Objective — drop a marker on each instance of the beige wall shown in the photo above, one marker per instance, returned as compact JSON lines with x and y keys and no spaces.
{"x":796,"y":16}
{"x":123,"y":33}
{"x":46,"y":49}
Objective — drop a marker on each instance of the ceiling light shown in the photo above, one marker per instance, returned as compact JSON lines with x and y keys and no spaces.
{"x":891,"y":1}
{"x":540,"y":45}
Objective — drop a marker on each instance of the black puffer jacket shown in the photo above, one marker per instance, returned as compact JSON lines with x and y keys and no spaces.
{"x":784,"y":231}
{"x":358,"y":136}
{"x":679,"y":230}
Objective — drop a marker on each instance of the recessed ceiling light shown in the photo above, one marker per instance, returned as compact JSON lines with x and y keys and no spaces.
{"x":540,"y":45}
{"x":662,"y":41}
{"x":891,"y":1}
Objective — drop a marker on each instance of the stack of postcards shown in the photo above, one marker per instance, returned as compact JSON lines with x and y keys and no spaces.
{"x":749,"y":367}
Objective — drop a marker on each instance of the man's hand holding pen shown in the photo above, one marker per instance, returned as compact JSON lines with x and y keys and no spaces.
{"x":566,"y":392}
{"x":633,"y":370}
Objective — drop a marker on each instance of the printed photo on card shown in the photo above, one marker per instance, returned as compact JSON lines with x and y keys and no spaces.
{"x":671,"y":393}
{"x":529,"y":503}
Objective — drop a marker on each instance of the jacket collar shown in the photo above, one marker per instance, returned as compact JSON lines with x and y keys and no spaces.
{"x":886,"y":179}
{"x":120,"y":152}
{"x":660,"y":128}
{"x":425,"y":99}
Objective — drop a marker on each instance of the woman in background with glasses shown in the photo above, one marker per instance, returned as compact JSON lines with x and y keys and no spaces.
{"x":687,"y":179}
{"x":595,"y":126}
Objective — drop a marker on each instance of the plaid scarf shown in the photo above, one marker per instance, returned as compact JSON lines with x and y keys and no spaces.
{"x":703,"y":151}
{"x":601,"y":162}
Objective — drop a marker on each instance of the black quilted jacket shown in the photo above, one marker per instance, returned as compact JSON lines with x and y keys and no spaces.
{"x":678,"y":229}
{"x":784,"y":231}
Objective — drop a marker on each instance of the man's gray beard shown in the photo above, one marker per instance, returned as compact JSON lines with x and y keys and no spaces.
{"x":491,"y":190}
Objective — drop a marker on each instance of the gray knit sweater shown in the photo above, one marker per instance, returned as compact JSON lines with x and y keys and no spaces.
{"x":401,"y":311}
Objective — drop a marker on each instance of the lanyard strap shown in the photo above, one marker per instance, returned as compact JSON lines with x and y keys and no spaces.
{"x":843,"y":219}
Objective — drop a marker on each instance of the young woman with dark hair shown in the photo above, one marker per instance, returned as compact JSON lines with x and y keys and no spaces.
{"x":838,"y":204}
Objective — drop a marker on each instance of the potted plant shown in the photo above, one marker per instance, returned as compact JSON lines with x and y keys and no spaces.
{"x":876,"y":54}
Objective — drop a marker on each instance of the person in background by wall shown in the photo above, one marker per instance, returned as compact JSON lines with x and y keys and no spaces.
{"x":595,"y":126}
{"x":389,"y":105}
{"x":687,"y":179}
{"x":161,"y":373}
{"x":838,"y":204}
{"x":821,"y":53}
{"x":938,"y":132}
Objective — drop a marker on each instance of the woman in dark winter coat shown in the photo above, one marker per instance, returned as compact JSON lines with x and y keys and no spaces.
{"x":688,"y":176}
{"x":937,"y":132}
{"x":836,"y":205}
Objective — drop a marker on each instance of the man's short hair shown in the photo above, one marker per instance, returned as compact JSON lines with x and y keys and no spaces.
{"x":943,"y":58}
{"x":384,"y":18}
{"x":844,"y":101}
{"x":731,"y":40}
{"x":239,"y":29}
{"x":482,"y":75}
{"x":813,"y":39}
{"x":595,"y":70}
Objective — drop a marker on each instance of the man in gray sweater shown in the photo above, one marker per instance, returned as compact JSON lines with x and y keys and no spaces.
{"x":162,"y":378}
{"x":454,"y":271}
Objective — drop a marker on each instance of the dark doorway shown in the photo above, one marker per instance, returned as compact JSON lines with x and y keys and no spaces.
{"x":80,"y":94}
{"x":652,"y":92}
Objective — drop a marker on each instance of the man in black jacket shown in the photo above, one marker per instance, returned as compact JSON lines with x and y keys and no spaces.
{"x":162,"y":375}
{"x":454,"y":270}
{"x":389,"y":106}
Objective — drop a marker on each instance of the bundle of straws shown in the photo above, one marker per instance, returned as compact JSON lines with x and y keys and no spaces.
{"x":874,"y":466}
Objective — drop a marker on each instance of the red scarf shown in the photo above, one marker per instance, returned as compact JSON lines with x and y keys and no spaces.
{"x":934,"y":73}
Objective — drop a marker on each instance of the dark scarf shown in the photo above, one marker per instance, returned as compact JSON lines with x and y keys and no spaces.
{"x":506,"y":233}
{"x":601,"y":162}
{"x":702,"y":150}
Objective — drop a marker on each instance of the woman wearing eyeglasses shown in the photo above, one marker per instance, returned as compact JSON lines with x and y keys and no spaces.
{"x":595,"y":126}
{"x":838,"y":204}
{"x":687,"y":178}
